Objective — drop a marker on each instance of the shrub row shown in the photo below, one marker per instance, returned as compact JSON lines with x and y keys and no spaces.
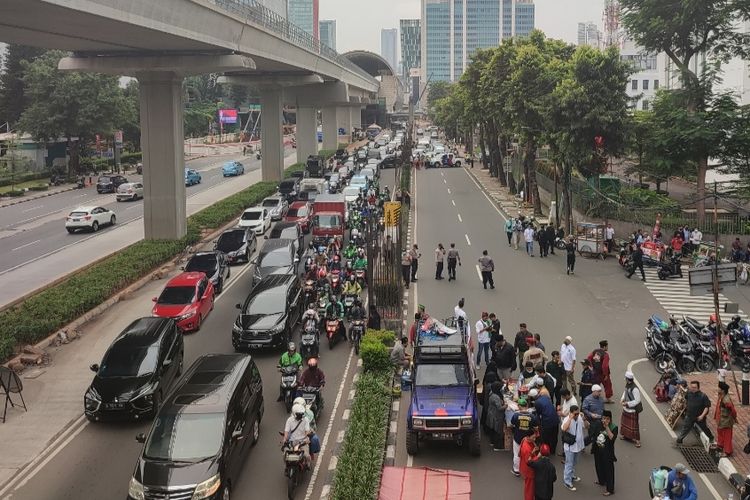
{"x":375,"y":350}
{"x":43,"y":313}
{"x":361,"y":459}
{"x":15,"y":193}
{"x":25,"y":177}
{"x":39,"y":187}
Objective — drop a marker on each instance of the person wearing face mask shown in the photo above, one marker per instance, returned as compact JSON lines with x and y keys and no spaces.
{"x":314,"y":377}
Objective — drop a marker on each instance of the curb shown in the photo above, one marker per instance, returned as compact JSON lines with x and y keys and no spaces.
{"x":45,"y":195}
{"x":121,"y":295}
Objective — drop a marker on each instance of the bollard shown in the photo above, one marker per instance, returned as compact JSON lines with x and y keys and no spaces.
{"x":745,"y":384}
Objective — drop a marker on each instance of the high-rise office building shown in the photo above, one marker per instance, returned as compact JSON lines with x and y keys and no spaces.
{"x":305,"y":14}
{"x":410,"y":45}
{"x":589,"y":34}
{"x":328,"y":33}
{"x":452,"y":30}
{"x":388,"y":44}
{"x":278,"y":6}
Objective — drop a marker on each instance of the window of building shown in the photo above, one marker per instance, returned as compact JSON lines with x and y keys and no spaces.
{"x":645,"y":84}
{"x":644,"y":105}
{"x":634,"y":84}
{"x":656,"y":84}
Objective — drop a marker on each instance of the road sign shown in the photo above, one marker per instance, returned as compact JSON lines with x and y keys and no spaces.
{"x":727,"y":273}
{"x":392,"y":213}
{"x":507,"y":165}
{"x":118,"y":137}
{"x":227,"y":116}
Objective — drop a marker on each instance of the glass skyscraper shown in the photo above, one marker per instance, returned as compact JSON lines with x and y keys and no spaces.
{"x":452,"y":30}
{"x":411,"y":35}
{"x":388,"y":44}
{"x":328,"y":33}
{"x":304,"y":13}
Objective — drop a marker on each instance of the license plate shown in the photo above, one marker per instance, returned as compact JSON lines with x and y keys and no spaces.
{"x":115,"y":406}
{"x":255,"y":346}
{"x":76,"y":220}
{"x":443,"y":436}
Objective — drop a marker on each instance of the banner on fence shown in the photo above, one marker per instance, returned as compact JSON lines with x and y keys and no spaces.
{"x":392,"y":211}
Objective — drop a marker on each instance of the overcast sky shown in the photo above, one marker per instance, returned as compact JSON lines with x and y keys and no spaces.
{"x":358,"y":23}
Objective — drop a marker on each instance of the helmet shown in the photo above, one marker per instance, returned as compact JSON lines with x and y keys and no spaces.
{"x":663,"y":326}
{"x":299,"y":401}
{"x":298,"y":411}
{"x":291,"y":346}
{"x":736,"y":319}
{"x":311,"y":306}
{"x":322,"y":273}
{"x":312,"y":362}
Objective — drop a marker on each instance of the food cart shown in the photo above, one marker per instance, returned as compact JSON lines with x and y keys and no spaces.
{"x":590,"y":240}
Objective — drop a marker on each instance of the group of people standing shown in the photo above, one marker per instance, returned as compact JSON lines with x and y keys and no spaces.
{"x":520,"y":228}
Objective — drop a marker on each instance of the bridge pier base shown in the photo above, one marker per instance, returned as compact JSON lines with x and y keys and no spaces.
{"x":272,"y":138}
{"x":162,"y":139}
{"x":307,"y":132}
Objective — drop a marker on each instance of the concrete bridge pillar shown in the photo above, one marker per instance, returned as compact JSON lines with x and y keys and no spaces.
{"x":344,"y":120}
{"x":307,"y":132}
{"x":356,"y":116}
{"x":272,"y":138}
{"x":164,"y":201}
{"x":330,"y":127}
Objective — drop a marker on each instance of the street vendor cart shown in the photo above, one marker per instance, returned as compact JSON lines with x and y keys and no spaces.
{"x":590,"y":240}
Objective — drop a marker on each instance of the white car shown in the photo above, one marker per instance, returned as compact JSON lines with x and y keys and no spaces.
{"x":358,"y":181}
{"x":368,"y":172}
{"x":256,"y":218}
{"x":350,"y":193}
{"x":129,"y":191}
{"x":277,"y":207}
{"x":89,"y":218}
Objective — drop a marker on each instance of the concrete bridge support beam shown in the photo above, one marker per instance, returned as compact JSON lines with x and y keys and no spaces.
{"x":272,"y":137}
{"x":330,"y":127}
{"x":307,"y":132}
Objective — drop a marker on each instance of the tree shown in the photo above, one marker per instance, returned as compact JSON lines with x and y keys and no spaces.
{"x":12,"y":98}
{"x":686,"y":31}
{"x":72,"y":105}
{"x":130,"y":123}
{"x":435,"y":92}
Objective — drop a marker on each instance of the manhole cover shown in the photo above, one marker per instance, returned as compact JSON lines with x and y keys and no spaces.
{"x":698,"y":460}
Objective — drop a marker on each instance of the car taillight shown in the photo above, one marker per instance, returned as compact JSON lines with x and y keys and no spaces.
{"x":88,"y":217}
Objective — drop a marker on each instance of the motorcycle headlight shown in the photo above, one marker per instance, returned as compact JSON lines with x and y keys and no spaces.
{"x":207,"y":488}
{"x":135,"y":489}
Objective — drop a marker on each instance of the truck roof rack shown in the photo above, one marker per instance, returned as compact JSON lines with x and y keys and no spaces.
{"x":437,"y":345}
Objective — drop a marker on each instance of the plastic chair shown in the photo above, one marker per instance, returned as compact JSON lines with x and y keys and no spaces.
{"x":10,"y":383}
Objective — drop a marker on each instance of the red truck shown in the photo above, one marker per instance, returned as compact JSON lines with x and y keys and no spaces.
{"x":328,"y":218}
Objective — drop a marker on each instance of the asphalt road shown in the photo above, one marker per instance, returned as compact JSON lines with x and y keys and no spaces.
{"x":36,"y":228}
{"x":98,"y":463}
{"x":596,"y":303}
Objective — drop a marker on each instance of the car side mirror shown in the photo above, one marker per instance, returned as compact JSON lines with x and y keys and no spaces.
{"x":238,"y":306}
{"x":154,"y":299}
{"x":94,"y":368}
{"x":182,"y":268}
{"x":140,"y":437}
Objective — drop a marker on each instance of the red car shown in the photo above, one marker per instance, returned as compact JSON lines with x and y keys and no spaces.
{"x":188,"y":298}
{"x":299,"y":212}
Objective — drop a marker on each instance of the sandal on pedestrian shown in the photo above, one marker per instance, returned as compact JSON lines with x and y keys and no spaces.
{"x":637,"y":444}
{"x":606,"y":493}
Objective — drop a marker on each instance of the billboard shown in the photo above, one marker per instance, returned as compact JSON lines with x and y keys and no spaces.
{"x":227,"y":116}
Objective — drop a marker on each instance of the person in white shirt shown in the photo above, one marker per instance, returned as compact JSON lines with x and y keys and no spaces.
{"x":631,"y":406}
{"x":462,"y":320}
{"x":573,"y":425}
{"x":567,"y":400}
{"x":483,"y":339}
{"x":695,"y":237}
{"x":609,"y":237}
{"x":528,"y":236}
{"x":568,"y":358}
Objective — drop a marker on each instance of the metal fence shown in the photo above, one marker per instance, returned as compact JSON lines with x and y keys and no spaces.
{"x":253,"y":12}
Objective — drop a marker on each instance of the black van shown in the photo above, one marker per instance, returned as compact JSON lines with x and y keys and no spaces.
{"x":204,"y":429}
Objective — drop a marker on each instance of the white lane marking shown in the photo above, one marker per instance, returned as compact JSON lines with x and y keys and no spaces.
{"x":333,"y":463}
{"x":133,"y":207}
{"x":459,"y":218}
{"x":331,"y":419}
{"x":485,"y":195}
{"x":479,"y":272}
{"x":449,"y":190}
{"x":468,"y":241}
{"x":672,"y":434}
{"x":32,"y":208}
{"x":445,"y":182}
{"x":24,"y":246}
{"x":61,"y":442}
{"x":454,"y":202}
{"x":80,"y":196}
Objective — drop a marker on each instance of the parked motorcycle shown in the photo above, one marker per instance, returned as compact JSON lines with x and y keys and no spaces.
{"x":288,"y":384}
{"x":356,"y":332}
{"x":671,"y":268}
{"x":258,"y":155}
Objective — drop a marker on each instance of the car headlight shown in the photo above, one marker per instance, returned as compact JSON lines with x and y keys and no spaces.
{"x":467,"y":421}
{"x":185,"y":316}
{"x":135,"y":489}
{"x":236,"y":328}
{"x":91,"y":400}
{"x":207,"y":488}
{"x":417,"y":422}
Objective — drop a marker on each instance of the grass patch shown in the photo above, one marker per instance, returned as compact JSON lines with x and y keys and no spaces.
{"x":20,"y":186}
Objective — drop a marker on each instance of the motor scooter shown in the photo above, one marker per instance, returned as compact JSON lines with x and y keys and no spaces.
{"x":288,"y":384}
{"x":258,"y":155}
{"x":310,"y":295}
{"x":360,"y":275}
{"x":296,"y":463}
{"x":310,"y":340}
{"x":356,"y":331}
{"x":671,"y":268}
{"x":333,"y":326}
{"x":349,"y":299}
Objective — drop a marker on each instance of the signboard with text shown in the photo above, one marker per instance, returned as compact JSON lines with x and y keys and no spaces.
{"x":227,"y":116}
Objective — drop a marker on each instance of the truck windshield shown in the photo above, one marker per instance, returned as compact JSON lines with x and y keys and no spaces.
{"x":327,"y":221}
{"x":442,"y":375}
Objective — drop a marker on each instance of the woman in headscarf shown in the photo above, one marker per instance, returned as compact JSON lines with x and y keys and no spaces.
{"x":496,"y":415}
{"x":490,"y":376}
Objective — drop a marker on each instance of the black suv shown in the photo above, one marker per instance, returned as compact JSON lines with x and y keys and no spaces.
{"x":268,"y":316}
{"x":199,"y":439}
{"x":215,"y":264}
{"x":136,"y":371}
{"x":289,"y":188}
{"x":237,"y":243}
{"x":389,"y":161}
{"x":278,"y":256}
{"x":109,"y":183}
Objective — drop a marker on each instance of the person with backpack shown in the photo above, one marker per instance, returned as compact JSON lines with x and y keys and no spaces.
{"x":631,"y":409}
{"x":599,"y":359}
{"x":509,"y":229}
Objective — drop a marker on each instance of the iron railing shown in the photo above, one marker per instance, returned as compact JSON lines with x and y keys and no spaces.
{"x":253,"y":12}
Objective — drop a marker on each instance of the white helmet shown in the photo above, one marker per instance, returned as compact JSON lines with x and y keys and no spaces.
{"x":298,"y":411}
{"x":300,"y":401}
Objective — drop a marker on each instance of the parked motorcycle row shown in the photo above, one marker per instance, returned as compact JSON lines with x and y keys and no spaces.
{"x":689,"y":345}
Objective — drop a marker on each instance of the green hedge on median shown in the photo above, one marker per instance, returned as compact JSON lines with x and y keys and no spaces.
{"x":49,"y":310}
{"x":361,"y":460}
{"x":375,"y":350}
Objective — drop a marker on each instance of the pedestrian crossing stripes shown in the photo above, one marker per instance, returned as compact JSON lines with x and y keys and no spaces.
{"x":675,"y":296}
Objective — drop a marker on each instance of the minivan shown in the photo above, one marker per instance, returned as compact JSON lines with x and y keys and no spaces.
{"x":200,"y":437}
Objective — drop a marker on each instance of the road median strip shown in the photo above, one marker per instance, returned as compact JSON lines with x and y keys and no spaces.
{"x":44,"y":313}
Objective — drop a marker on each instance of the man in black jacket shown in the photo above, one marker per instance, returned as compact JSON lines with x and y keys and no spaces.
{"x":637,"y":257}
{"x":545,"y":474}
{"x":550,"y":234}
{"x":505,"y":358}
